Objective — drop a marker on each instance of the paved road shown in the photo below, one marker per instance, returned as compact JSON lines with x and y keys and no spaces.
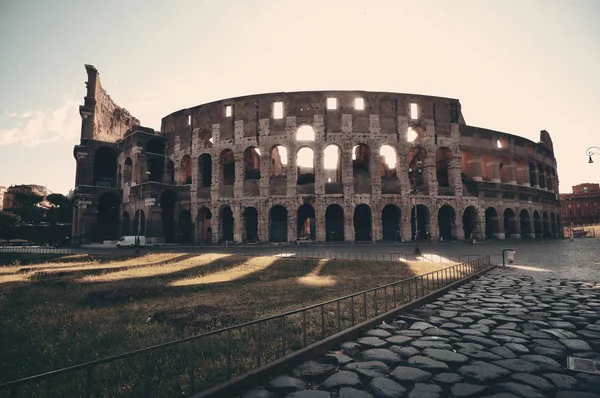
{"x":506,"y":334}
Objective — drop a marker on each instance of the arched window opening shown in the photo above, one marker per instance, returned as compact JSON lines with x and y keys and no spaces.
{"x":390,"y":221}
{"x":362,"y":223}
{"x":250,"y":224}
{"x":278,"y":224}
{"x":332,"y":162}
{"x":510,"y":224}
{"x":105,"y":167}
{"x":532,"y":174}
{"x":419,"y":225}
{"x":186,"y":228}
{"x":491,"y":223}
{"x":107,"y":221}
{"x":334,"y":223}
{"x":204,"y":226}
{"x":170,"y":172}
{"x":127,"y":171}
{"x":411,"y":135}
{"x":541,"y":176}
{"x":205,"y":170}
{"x":525,"y":224}
{"x":443,"y":160}
{"x":226,"y":224}
{"x":469,"y":220}
{"x":537,"y":224}
{"x":252,"y":163}
{"x":417,"y":157}
{"x":387,"y":161}
{"x":228,"y":164}
{"x":447,"y":222}
{"x":306,"y":222}
{"x":155,"y":156}
{"x":306,"y":167}
{"x":278,"y":160}
{"x":305,"y":133}
{"x":361,"y":155}
{"x":186,"y":170}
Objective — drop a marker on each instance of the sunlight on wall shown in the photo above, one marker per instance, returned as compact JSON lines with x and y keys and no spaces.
{"x":389,"y":153}
{"x":249,"y":267}
{"x":314,"y":279}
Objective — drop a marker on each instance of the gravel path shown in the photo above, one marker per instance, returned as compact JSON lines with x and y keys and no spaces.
{"x":506,"y":334}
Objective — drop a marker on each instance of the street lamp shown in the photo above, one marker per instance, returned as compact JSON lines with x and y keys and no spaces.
{"x":413,"y":173}
{"x":139,"y":213}
{"x":590,"y":153}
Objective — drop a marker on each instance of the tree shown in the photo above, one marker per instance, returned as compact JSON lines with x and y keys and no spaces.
{"x":8,"y":219}
{"x":61,"y":210}
{"x":29,"y":211}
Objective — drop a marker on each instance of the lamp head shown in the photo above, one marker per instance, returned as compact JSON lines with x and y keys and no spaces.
{"x":590,"y":161}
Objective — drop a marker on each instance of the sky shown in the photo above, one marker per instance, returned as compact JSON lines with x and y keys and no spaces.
{"x":518,"y":66}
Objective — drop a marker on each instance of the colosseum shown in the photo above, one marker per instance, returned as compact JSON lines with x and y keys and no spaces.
{"x":320,"y":166}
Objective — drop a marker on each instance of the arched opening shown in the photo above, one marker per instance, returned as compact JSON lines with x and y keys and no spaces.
{"x":487,"y":166}
{"x":226,"y":224}
{"x":532,"y":174}
{"x":105,"y":167}
{"x":469,"y":220}
{"x":278,"y":224}
{"x":505,"y":170}
{"x":447,"y":222}
{"x":553,"y":225}
{"x":252,"y":163}
{"x":541,"y":176}
{"x":127,"y":171}
{"x":416,"y":156}
{"x":139,"y":223}
{"x":186,"y":228}
{"x":305,"y":161}
{"x":186,"y":170}
{"x":547,"y":232}
{"x":390,"y":184}
{"x":334,"y":223}
{"x":411,"y":135}
{"x":228,"y":165}
{"x":361,"y":155}
{"x":510,"y":224}
{"x":537,"y":224}
{"x":390,"y":223}
{"x":491,"y":223}
{"x":362,"y":223}
{"x":306,"y":222}
{"x":205,"y":170}
{"x":170,"y":172}
{"x":125,"y":224}
{"x":155,"y":156}
{"x":119,"y":176}
{"x":278,"y":160}
{"x":443,"y":159}
{"x":250,"y":224}
{"x":204,"y":226}
{"x":107,"y":222}
{"x":305,"y":133}
{"x":419,"y":225}
{"x":168,"y":200}
{"x":525,"y":224}
{"x":332,"y":162}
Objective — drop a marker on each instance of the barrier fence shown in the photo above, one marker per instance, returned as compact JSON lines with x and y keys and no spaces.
{"x":37,"y":250}
{"x":196,"y":363}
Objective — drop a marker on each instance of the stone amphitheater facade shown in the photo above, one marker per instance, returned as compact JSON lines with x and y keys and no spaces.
{"x":309,"y":166}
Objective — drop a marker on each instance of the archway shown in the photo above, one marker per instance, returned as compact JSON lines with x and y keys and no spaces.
{"x":167,"y":204}
{"x":169,"y":172}
{"x":334,"y":223}
{"x":139,"y":223}
{"x":417,"y":157}
{"x":419,"y":225}
{"x":155,"y":156}
{"x":125,"y":224}
{"x":446,"y":222}
{"x":390,"y":223}
{"x":228,"y":165}
{"x":226,"y":224}
{"x":127,"y":171}
{"x":305,"y":133}
{"x":362,"y":223}
{"x":361,"y":155}
{"x":443,"y":159}
{"x":510,"y":223}
{"x":469,"y":221}
{"x":278,"y":224}
{"x":186,"y":228}
{"x":306,"y":225}
{"x":107,"y":224}
{"x":204,"y":226}
{"x":186,"y":170}
{"x":553,"y":225}
{"x":332,"y":162}
{"x":491,"y":223}
{"x":205,"y":170}
{"x":251,"y":224}
{"x":305,"y":162}
{"x":105,"y":167}
{"x":278,"y":160}
{"x":537,"y":224}
{"x":547,"y":232}
{"x":252,"y":163}
{"x":532,"y":174}
{"x":525,"y":224}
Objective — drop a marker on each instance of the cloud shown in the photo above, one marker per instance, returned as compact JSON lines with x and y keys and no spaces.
{"x":33,"y":128}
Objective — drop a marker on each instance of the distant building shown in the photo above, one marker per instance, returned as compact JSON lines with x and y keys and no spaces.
{"x":582,"y":206}
{"x":2,"y":190}
{"x":11,"y":197}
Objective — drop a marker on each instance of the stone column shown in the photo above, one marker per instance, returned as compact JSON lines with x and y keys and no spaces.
{"x":375,"y":174}
{"x":457,"y":229}
{"x":320,"y":222}
{"x":475,"y":166}
{"x":512,"y":172}
{"x":348,"y":221}
{"x":347,"y":173}
{"x":454,"y":176}
{"x":523,"y":175}
{"x":493,"y":166}
{"x":501,"y":231}
{"x":292,"y":172}
{"x":479,"y":230}
{"x":405,"y":223}
{"x":532,"y":225}
{"x":376,"y":223}
{"x":434,"y":228}
{"x":238,"y":184}
{"x":238,"y":223}
{"x":292,"y":224}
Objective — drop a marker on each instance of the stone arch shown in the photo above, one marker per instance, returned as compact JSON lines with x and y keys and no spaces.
{"x":361,"y":155}
{"x":419,"y":225}
{"x":553,"y":225}
{"x":228,"y":167}
{"x":204,"y":226}
{"x":127,"y":171}
{"x":305,"y":162}
{"x":532,"y":174}
{"x":170,"y":172}
{"x":505,"y":169}
{"x":416,"y":163}
{"x":332,"y":163}
{"x":250,"y":224}
{"x":105,"y":167}
{"x":466,"y":164}
{"x":491,"y":223}
{"x":469,"y":221}
{"x":306,"y":222}
{"x":334,"y":223}
{"x":305,"y":133}
{"x":487,"y":166}
{"x":279,"y":159}
{"x":522,"y":173}
{"x":541,"y":176}
{"x":252,"y":163}
{"x":168,"y":201}
{"x":125,"y":224}
{"x":525,"y":224}
{"x":139,"y":223}
{"x":107,"y":221}
{"x":278,"y":231}
{"x":510,"y":224}
{"x":362,"y":223}
{"x":155,"y":157}
{"x":443,"y":160}
{"x":186,"y":170}
{"x":186,"y":227}
{"x":387,"y":161}
{"x":447,"y":222}
{"x":537,"y":224}
{"x":547,"y":232}
{"x":226,"y":224}
{"x":390,"y":223}
{"x":204,"y":170}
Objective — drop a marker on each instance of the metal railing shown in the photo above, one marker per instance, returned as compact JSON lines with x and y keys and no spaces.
{"x":196,"y":363}
{"x":37,"y":250}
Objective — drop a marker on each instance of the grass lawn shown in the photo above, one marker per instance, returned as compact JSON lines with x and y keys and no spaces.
{"x":71,"y":309}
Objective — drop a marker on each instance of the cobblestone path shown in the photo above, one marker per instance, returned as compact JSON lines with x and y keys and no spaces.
{"x":502,"y":335}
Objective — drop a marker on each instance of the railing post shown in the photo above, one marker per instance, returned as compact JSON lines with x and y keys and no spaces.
{"x":394,"y":295}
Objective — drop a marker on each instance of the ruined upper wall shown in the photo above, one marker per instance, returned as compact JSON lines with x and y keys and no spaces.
{"x":102,"y":118}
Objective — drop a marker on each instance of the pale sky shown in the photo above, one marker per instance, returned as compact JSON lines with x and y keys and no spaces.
{"x":518,"y":66}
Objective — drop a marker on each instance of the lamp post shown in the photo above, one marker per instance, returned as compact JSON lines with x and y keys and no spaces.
{"x":413,"y":173}
{"x":139,"y":225}
{"x":590,"y":153}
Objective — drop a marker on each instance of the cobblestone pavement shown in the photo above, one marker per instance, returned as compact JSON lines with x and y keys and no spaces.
{"x":505,"y":334}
